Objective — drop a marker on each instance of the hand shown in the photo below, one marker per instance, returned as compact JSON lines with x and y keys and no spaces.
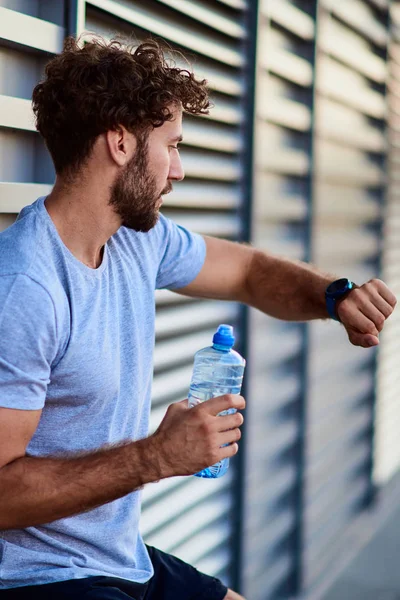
{"x":191,"y":439}
{"x":364,"y":311}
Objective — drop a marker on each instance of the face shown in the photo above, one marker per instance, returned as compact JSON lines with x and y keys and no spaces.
{"x":137,"y":192}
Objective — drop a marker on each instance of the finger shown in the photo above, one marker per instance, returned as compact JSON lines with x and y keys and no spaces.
{"x":385,"y":292}
{"x":352,"y":317}
{"x":373,"y":314}
{"x":363,"y":340}
{"x":217,"y":405}
{"x":381,"y":304}
{"x":228,"y":437}
{"x":229,"y":451}
{"x":225,"y":422}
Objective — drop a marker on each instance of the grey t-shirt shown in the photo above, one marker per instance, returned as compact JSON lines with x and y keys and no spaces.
{"x":78,"y":342}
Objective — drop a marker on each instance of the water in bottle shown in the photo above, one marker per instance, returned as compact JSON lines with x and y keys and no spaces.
{"x":218,"y":370}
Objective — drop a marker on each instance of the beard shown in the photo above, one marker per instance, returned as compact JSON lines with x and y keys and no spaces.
{"x":135,"y":196}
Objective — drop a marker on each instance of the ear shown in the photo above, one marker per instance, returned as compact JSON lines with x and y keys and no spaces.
{"x":121,"y":145}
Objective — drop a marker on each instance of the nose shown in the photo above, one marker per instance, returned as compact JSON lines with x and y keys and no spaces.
{"x":176,"y":172}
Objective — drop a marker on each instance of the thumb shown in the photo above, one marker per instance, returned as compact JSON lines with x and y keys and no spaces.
{"x":365,"y":340}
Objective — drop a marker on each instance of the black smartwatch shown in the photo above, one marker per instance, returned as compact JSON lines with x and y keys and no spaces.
{"x":337,"y":290}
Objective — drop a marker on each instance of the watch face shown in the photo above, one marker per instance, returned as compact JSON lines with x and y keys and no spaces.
{"x":338,"y":287}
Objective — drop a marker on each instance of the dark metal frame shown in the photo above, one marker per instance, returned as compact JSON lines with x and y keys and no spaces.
{"x":245,"y":213}
{"x":296,"y":584}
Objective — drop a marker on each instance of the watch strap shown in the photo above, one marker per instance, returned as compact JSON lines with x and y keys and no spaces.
{"x":332,"y":302}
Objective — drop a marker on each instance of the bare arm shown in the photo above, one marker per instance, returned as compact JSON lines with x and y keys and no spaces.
{"x":284,"y":289}
{"x":289,"y":290}
{"x":39,"y":490}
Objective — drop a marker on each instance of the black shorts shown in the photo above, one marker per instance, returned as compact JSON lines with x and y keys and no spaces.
{"x":173,"y":580}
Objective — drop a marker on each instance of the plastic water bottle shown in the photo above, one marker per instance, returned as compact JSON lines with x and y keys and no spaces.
{"x":218,"y":370}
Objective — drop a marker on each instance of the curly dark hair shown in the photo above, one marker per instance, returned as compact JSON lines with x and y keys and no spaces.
{"x":96,"y":88}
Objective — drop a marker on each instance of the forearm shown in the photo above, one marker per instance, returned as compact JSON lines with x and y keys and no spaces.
{"x":40,"y":490}
{"x":288,"y":290}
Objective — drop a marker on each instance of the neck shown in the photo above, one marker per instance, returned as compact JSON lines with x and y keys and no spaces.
{"x":83,"y":217}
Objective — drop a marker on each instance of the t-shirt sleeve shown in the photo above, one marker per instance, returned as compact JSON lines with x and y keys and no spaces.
{"x":28,"y":342}
{"x":182,"y":255}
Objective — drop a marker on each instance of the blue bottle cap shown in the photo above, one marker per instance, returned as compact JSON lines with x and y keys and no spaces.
{"x":224,"y":336}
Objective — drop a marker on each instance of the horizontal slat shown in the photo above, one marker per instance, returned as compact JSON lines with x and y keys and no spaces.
{"x":210,"y":166}
{"x":220,"y":77}
{"x":207,"y":541}
{"x":333,"y":246}
{"x":225,"y":111}
{"x":275,"y":208}
{"x":203,"y":134}
{"x":346,"y":165}
{"x":332,"y":497}
{"x":281,"y":480}
{"x":274,"y":151}
{"x":214,"y":224}
{"x":318,"y":466}
{"x":359,"y":15}
{"x":180,"y":500}
{"x":328,"y":441}
{"x":210,"y":17}
{"x":283,"y":111}
{"x":16,"y":113}
{"x":273,"y":342}
{"x":338,"y":204}
{"x":281,"y":436}
{"x":217,"y":564}
{"x":279,"y":198}
{"x":319,"y":542}
{"x":339,"y":82}
{"x":287,"y":65}
{"x":195,"y":316}
{"x":324,"y":549}
{"x":168,"y":29}
{"x":14,"y":196}
{"x":290,"y":17}
{"x":281,"y":160}
{"x":268,"y":579}
{"x":279,"y":240}
{"x":338,"y":122}
{"x":351,"y":49}
{"x":186,"y":524}
{"x":31,"y":32}
{"x":322,"y":473}
{"x":174,"y":384}
{"x":238,"y":4}
{"x":268,"y":536}
{"x":204,"y":195}
{"x":170,"y":352}
{"x":382,"y":4}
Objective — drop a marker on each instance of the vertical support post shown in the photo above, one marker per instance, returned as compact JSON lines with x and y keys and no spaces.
{"x":74,"y":17}
{"x":245,"y":214}
{"x":379,"y":232}
{"x":298,"y":536}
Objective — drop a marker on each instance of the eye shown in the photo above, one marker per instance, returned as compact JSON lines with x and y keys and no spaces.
{"x":174,"y":147}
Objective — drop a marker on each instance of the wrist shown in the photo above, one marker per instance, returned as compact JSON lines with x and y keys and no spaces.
{"x":335,"y":293}
{"x":152,"y":459}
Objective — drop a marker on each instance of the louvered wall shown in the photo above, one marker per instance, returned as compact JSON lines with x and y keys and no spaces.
{"x":387,"y":439}
{"x":29,"y":34}
{"x":192,"y":518}
{"x":348,"y":198}
{"x":300,"y":494}
{"x":276,"y":349}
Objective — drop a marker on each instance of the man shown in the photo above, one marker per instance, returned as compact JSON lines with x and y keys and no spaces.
{"x":78,"y":271}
